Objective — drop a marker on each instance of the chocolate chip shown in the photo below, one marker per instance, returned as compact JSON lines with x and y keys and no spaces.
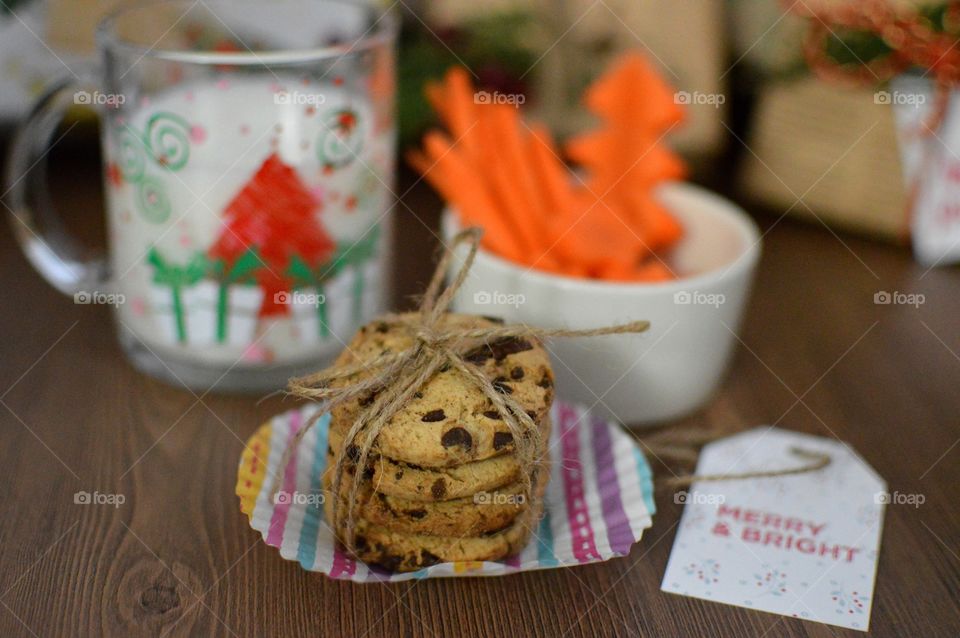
{"x":427,"y":559}
{"x":517,"y":373}
{"x":532,"y":415}
{"x":398,"y":475}
{"x":492,"y":414}
{"x":433,"y":416}
{"x":415,"y":514}
{"x":509,"y":345}
{"x":439,"y":489}
{"x":498,"y":350}
{"x":501,"y":440}
{"x":382,"y":327}
{"x":353,"y":453}
{"x":360,"y":542}
{"x":545,"y":381}
{"x":444,"y":368}
{"x":476,"y":357}
{"x":367,"y":400}
{"x":418,"y":395}
{"x":500,"y":385}
{"x":456,"y":436}
{"x":390,"y":561}
{"x":368,"y":473}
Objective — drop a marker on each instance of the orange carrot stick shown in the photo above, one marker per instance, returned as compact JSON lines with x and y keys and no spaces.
{"x":551,"y":174}
{"x":512,"y":160}
{"x":463,"y":187}
{"x":461,"y":108}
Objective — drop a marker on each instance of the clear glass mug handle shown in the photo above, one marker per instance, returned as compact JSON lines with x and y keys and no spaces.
{"x":56,"y":255}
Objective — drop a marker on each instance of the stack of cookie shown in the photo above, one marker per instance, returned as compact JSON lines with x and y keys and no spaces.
{"x":442,"y":483}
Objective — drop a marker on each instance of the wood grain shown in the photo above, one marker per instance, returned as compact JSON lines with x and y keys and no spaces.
{"x":178,"y":558}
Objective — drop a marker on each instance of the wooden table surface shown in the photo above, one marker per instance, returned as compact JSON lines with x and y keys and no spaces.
{"x":178,"y":557}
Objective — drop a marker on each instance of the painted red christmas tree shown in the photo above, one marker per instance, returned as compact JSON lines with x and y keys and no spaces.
{"x":275,"y":214}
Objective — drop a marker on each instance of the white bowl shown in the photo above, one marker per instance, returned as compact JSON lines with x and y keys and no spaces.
{"x":673,"y":368}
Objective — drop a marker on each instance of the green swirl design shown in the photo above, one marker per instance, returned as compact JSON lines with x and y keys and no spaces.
{"x":153,"y":199}
{"x":337,"y":145}
{"x":168,"y":139}
{"x":130,"y":156}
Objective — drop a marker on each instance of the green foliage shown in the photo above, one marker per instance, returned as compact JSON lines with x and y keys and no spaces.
{"x":856,"y":47}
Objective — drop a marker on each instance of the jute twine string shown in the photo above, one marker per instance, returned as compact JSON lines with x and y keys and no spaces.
{"x":683,"y":445}
{"x":393,"y":378}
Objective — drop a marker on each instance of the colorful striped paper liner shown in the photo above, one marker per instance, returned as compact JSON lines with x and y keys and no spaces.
{"x":597,"y":505}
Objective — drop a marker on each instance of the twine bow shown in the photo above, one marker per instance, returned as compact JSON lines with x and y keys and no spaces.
{"x":393,"y":378}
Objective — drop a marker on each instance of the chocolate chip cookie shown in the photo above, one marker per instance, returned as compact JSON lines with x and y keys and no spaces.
{"x":399,"y":551}
{"x":450,"y":421}
{"x":474,"y":515}
{"x":417,"y":483}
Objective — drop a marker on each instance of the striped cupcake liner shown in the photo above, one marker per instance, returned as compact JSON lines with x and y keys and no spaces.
{"x":598,"y":502}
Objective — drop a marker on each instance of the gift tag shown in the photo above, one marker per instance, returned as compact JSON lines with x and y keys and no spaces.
{"x":803,"y":545}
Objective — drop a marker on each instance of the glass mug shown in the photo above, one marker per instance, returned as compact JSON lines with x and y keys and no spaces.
{"x":248,"y":150}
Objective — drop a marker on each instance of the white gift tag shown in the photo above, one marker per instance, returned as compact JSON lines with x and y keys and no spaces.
{"x":803,"y":545}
